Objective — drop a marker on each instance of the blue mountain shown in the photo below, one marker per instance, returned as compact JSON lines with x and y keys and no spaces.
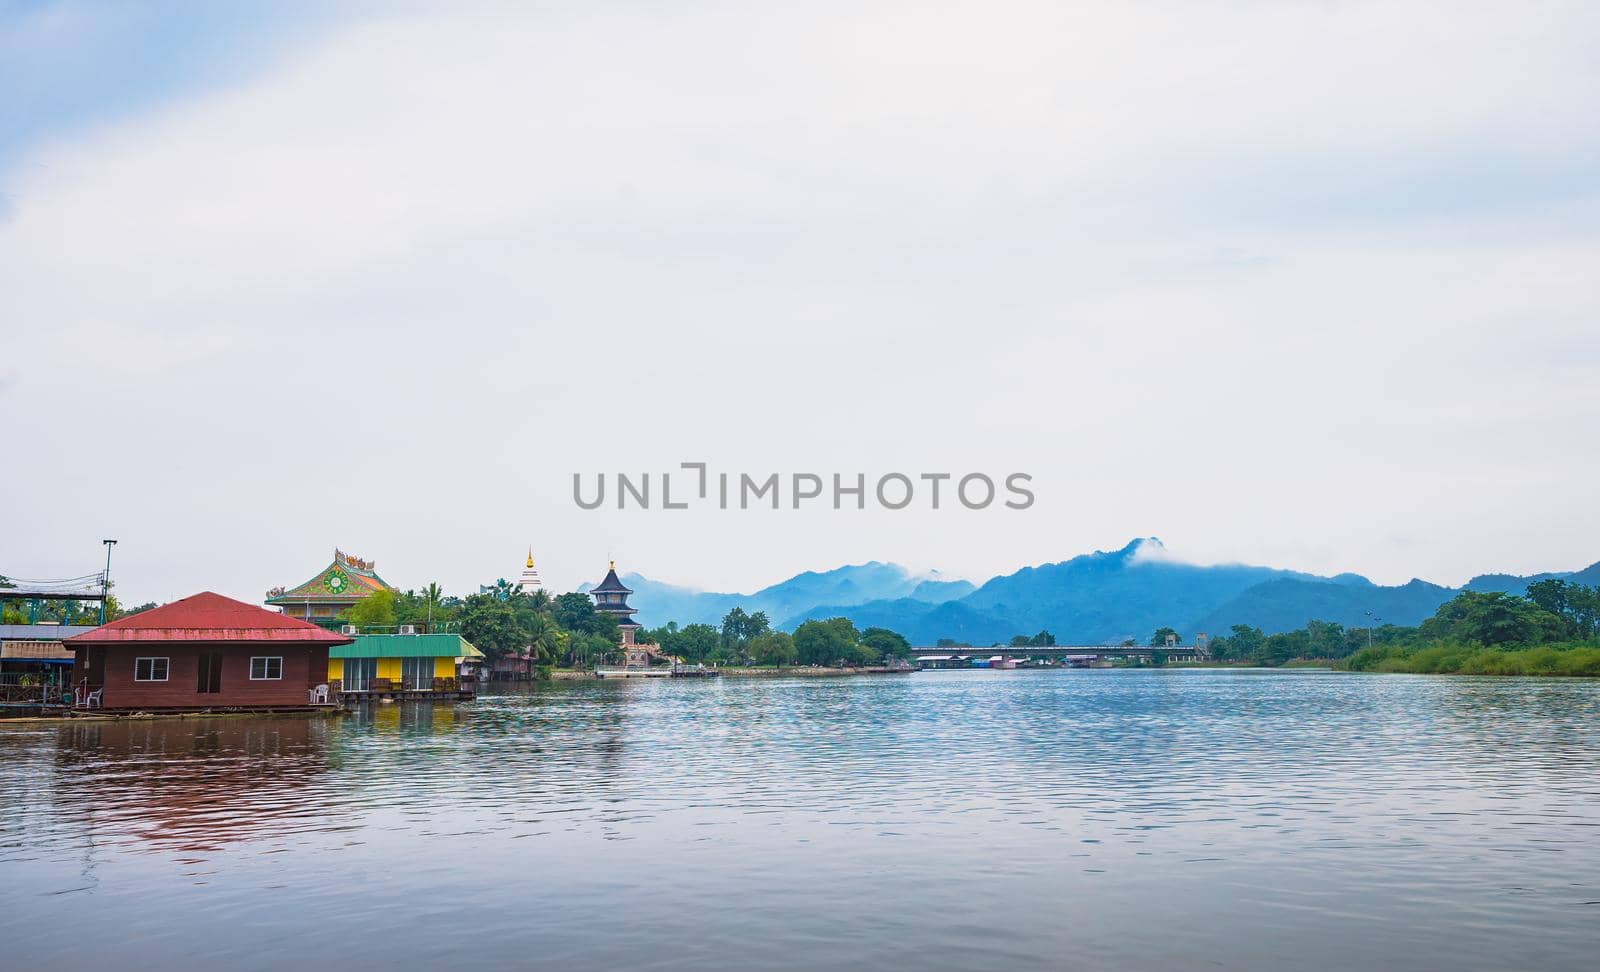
{"x":1287,"y":603}
{"x":847,"y":586}
{"x":1095,"y":598}
{"x":1513,"y":584}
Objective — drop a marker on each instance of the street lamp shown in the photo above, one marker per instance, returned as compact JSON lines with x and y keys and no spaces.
{"x":105,"y":580}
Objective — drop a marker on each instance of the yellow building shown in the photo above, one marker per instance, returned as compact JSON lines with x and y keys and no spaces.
{"x":386,"y":663}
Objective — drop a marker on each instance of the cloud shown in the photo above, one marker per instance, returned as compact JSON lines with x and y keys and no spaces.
{"x":1260,"y":279}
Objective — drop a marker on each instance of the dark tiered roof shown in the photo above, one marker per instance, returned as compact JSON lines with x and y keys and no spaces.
{"x":611,"y":585}
{"x":610,"y":597}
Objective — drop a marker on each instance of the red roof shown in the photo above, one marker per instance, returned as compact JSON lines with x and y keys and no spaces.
{"x":209,"y":617}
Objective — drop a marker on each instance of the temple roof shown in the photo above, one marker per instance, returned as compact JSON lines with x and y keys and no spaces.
{"x":208,"y":617}
{"x":347,"y":580}
{"x":611,"y":585}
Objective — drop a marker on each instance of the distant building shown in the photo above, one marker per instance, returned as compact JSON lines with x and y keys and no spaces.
{"x":205,"y":651}
{"x":35,"y":664}
{"x":335,"y":588}
{"x":529,"y":581}
{"x":611,"y":597}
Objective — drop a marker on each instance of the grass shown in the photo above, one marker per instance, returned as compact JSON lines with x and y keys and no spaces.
{"x":1444,"y":658}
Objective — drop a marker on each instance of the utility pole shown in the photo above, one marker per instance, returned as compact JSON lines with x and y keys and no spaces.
{"x":1372,"y":619}
{"x":105,"y":580}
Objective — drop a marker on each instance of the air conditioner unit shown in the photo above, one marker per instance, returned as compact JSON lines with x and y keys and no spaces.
{"x":408,"y":629}
{"x":349,"y":629}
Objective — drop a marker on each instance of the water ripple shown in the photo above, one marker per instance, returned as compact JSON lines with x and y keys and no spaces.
{"x":946,"y":820}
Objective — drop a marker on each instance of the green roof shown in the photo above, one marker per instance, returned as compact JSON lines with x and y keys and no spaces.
{"x":406,"y":646}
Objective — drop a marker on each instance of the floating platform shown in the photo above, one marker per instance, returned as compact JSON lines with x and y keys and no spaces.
{"x":674,"y":671}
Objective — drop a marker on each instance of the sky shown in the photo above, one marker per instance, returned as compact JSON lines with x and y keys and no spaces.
{"x":1311,"y":285}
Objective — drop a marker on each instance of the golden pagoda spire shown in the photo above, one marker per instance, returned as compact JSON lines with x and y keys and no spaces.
{"x":530,"y":556}
{"x":613,"y":565}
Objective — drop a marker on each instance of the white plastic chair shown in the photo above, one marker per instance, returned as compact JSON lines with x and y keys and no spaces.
{"x":318,"y":695}
{"x":93,"y":701}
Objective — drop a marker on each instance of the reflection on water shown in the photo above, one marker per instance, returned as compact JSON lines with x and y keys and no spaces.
{"x":942,"y":820}
{"x":191,"y":785}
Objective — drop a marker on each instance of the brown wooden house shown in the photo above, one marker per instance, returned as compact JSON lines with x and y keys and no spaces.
{"x":203,"y":652}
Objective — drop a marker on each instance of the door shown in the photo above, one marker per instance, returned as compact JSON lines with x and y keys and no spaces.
{"x":417,"y":672}
{"x":359,"y":673}
{"x":208,"y":679}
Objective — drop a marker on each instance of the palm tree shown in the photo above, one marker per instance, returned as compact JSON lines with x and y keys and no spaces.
{"x":543,"y":638}
{"x":431,"y":596}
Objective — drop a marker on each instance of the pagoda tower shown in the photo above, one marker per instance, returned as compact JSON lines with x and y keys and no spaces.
{"x":529,"y":581}
{"x":610,"y":597}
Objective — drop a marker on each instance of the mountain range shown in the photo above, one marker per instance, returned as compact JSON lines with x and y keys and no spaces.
{"x":1096,"y":598}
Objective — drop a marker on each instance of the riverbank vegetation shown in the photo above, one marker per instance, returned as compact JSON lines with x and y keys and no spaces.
{"x":750,"y":640}
{"x":1551,"y":630}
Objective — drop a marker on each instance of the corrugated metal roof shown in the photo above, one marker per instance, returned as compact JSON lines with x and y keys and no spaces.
{"x":407,"y":646}
{"x":208,"y":617}
{"x":42,"y":632}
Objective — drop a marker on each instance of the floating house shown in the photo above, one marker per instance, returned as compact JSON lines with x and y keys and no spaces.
{"x":334,"y":589}
{"x":205,"y":651}
{"x":402,"y":666}
{"x":35,"y":663}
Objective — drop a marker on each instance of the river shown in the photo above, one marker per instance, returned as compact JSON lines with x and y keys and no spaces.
{"x":944,"y":820}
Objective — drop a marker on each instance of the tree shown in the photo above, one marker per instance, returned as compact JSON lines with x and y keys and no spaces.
{"x":733,"y":628}
{"x":825,"y":642}
{"x":1159,"y":639}
{"x":1550,"y":594}
{"x":1043,"y":639}
{"x":491,"y":624}
{"x":1020,"y":641}
{"x":738,"y":628}
{"x":376,"y":610}
{"x":432,"y":598}
{"x":573,"y":611}
{"x":888,"y":644}
{"x":1326,"y":639}
{"x":1493,"y":619}
{"x":773,"y":648}
{"x":544,"y":638}
{"x":757,"y":625}
{"x":1245,"y":642}
{"x":1576,"y":604}
{"x":697,"y":642}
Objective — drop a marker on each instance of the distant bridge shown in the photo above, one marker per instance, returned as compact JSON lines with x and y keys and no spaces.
{"x":1086,"y":653}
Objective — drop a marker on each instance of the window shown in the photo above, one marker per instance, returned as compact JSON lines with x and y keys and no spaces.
{"x":150,"y":669}
{"x":359,"y":673}
{"x":208,"y":673}
{"x":266,"y":668}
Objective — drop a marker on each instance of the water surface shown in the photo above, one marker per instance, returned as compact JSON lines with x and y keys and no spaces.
{"x":943,"y":820}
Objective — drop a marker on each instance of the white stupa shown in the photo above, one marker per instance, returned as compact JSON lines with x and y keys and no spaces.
{"x":529,"y":581}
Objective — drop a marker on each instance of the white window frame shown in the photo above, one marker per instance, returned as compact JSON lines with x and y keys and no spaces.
{"x":266,"y":658}
{"x":166,"y":667}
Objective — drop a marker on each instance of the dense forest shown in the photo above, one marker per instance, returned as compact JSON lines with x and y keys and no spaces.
{"x":1551,"y":630}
